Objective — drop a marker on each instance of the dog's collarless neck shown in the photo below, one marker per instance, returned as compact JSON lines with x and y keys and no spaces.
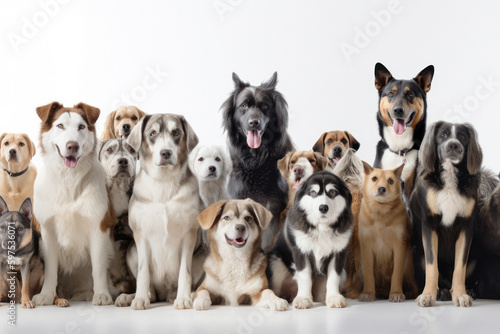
{"x":16,"y":174}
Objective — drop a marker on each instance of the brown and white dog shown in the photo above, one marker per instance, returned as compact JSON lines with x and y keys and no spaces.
{"x":334,"y":144}
{"x":71,"y":204}
{"x":119,"y":123}
{"x":236,"y":266}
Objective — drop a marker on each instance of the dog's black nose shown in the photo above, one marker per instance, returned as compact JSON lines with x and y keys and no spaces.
{"x":166,"y":154}
{"x":399,"y":112}
{"x":72,"y":147}
{"x":240,"y":228}
{"x":253,"y":123}
{"x":126,"y":127}
{"x":454,"y":146}
{"x":123,"y":162}
{"x":12,"y":152}
{"x":381,"y":190}
{"x":297,"y":170}
{"x":337,"y":151}
{"x":212,"y":168}
{"x":323,"y":208}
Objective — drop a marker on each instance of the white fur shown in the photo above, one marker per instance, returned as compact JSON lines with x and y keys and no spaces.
{"x":311,"y":207}
{"x":70,"y":205}
{"x":398,"y":142}
{"x":392,"y":160}
{"x":306,"y":166}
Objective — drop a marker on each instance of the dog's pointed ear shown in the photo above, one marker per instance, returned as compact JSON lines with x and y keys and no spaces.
{"x":31,"y":145}
{"x":474,"y":152}
{"x":99,"y":148}
{"x":190,"y":135}
{"x":399,"y":171}
{"x":271,"y":83}
{"x":319,"y":146}
{"x":322,"y":161}
{"x":208,"y":216}
{"x":283,"y":164}
{"x":427,"y":155}
{"x":45,"y":112}
{"x":109,"y":126}
{"x":262,"y":214}
{"x":26,"y":209}
{"x":92,"y":113}
{"x":353,"y":141}
{"x":135,"y":137}
{"x":424,"y":78}
{"x":382,"y":76}
{"x":3,"y":206}
{"x":238,"y":83}
{"x":368,"y":169}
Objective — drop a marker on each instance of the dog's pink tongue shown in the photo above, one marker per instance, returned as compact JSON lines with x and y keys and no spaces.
{"x":70,"y":162}
{"x":296,"y":184}
{"x":399,"y":126}
{"x":253,"y":139}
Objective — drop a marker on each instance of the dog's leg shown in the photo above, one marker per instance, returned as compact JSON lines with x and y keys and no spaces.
{"x":458,"y":293}
{"x":51,"y":258}
{"x":100,"y":249}
{"x":183,"y":300}
{"x":141,"y":299}
{"x":202,"y":299}
{"x":430,"y":241}
{"x":267,"y":299}
{"x":333,"y":297}
{"x":25,"y":290}
{"x":304,"y":283}
{"x":367,"y":262}
{"x":399,"y":255}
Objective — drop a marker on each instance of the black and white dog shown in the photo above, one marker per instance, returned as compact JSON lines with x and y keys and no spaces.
{"x":312,"y":246}
{"x":256,"y":121}
{"x":444,"y":206}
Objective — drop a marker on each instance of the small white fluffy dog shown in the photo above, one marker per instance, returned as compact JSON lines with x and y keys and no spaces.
{"x":211,"y":166}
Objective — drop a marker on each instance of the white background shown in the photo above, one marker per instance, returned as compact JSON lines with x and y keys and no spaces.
{"x":98,"y":51}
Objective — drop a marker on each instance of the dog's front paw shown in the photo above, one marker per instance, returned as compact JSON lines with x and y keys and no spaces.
{"x":102,"y":299}
{"x":124,"y":300}
{"x":182,"y":303}
{"x":397,"y":297}
{"x":140,"y":304}
{"x":202,"y":303}
{"x":43,"y":299}
{"x":366,"y":297}
{"x":61,"y":302}
{"x":278,"y":304}
{"x":302,"y":302}
{"x":426,"y":300}
{"x":337,"y":301}
{"x":27,"y":304}
{"x":462,"y":300}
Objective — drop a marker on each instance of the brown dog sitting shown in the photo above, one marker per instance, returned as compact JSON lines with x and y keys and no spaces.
{"x":236,"y":266}
{"x":384,"y":237}
{"x":119,"y":123}
{"x":334,"y":144}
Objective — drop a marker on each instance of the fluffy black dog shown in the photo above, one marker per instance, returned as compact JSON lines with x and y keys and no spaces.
{"x":256,"y":121}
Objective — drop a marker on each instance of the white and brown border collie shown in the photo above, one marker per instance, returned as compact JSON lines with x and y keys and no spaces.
{"x":71,"y":205}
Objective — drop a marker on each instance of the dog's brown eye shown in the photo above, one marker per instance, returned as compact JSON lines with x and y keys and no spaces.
{"x":132,"y":151}
{"x":81,"y":127}
{"x":329,"y":141}
{"x":344,"y":141}
{"x":152,"y":133}
{"x":374,"y":178}
{"x":217,"y":159}
{"x":444,"y":135}
{"x":6,"y":143}
{"x":293,"y":162}
{"x":312,"y":161}
{"x":226,"y":218}
{"x":391,"y":181}
{"x":118,"y":118}
{"x":21,"y":144}
{"x":391,"y":94}
{"x":201,"y":159}
{"x":60,"y":126}
{"x":176,"y":133}
{"x":410,"y":95}
{"x":264,"y":107}
{"x":248,"y":218}
{"x":333,"y":192}
{"x":110,"y":150}
{"x":20,"y":228}
{"x":244,"y":106}
{"x":134,"y":118}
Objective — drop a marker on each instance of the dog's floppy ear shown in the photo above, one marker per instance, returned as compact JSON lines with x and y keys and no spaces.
{"x":322,"y":161}
{"x":427,"y":154}
{"x":238,"y":83}
{"x":191,"y":137}
{"x":192,"y":157}
{"x":424,"y":78}
{"x":91,"y":112}
{"x":208,"y":216}
{"x":26,"y":209}
{"x":319,"y":146}
{"x":31,"y":145}
{"x":228,"y":164}
{"x":141,"y":113}
{"x":135,"y":137}
{"x":109,"y":126}
{"x":283,"y":164}
{"x":354,"y":142}
{"x":3,"y":206}
{"x":368,"y":169}
{"x":271,"y":83}
{"x":44,"y":112}
{"x":263,"y":215}
{"x":399,"y":171}
{"x":382,"y":76}
{"x":474,"y":152}
{"x":99,"y":148}
{"x":3,"y":136}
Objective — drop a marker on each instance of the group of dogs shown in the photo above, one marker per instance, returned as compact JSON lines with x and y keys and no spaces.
{"x":147,"y":214}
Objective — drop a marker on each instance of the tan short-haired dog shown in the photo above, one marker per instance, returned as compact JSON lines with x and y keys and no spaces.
{"x":236,"y":266}
{"x":119,"y":123}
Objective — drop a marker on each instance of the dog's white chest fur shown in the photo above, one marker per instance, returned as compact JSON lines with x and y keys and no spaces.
{"x":392,"y":160}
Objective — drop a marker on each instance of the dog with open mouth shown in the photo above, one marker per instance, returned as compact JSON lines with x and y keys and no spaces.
{"x":119,"y":123}
{"x":256,"y":121}
{"x":401,"y":117}
{"x":333,"y":145}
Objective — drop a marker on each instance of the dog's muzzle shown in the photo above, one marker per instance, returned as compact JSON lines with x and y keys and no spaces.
{"x":453,"y":150}
{"x":126,"y":129}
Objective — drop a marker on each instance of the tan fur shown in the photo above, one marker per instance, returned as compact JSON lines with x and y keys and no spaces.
{"x":384,"y":236}
{"x":431,"y":270}
{"x":115,"y":121}
{"x":458,"y":281}
{"x":109,"y":219}
{"x":334,"y":138}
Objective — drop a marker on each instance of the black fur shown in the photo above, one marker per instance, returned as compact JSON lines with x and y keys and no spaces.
{"x":255,"y":173}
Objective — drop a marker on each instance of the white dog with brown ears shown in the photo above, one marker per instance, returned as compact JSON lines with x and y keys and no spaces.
{"x":72,"y":207}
